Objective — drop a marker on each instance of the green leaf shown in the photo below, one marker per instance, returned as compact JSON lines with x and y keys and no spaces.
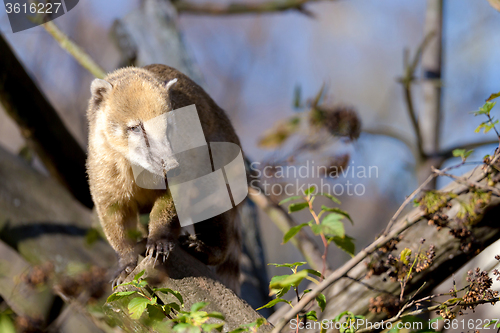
{"x":485,"y":109}
{"x":217,"y":315}
{"x":333,"y":225}
{"x":291,"y":280}
{"x":136,"y":306}
{"x":210,"y":327}
{"x":274,"y":302}
{"x":155,"y":313}
{"x":239,"y":330}
{"x":313,"y":272}
{"x":493,"y":96}
{"x":174,"y":305}
{"x":292,"y":265}
{"x":345,"y":244}
{"x":186,"y":328}
{"x":142,"y":284}
{"x":292,"y":232}
{"x":139,"y":275}
{"x":405,"y":254}
{"x":119,"y":295}
{"x":296,"y":207}
{"x":486,"y":126}
{"x":321,"y":299}
{"x":170,"y":291}
{"x":278,"y":291}
{"x":311,"y":315}
{"x":198,"y":306}
{"x":331,"y":197}
{"x":338,"y":211}
{"x":290,"y":199}
{"x":348,"y":313}
{"x":6,"y":324}
{"x":310,"y":190}
{"x":316,"y":228}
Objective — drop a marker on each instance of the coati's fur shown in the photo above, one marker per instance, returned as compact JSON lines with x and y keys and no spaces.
{"x":119,"y":105}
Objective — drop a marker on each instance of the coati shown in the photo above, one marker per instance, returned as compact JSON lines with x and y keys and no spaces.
{"x":117,"y":110}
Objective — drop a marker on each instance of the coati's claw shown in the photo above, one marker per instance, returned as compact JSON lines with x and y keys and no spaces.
{"x":191,"y":243}
{"x":161,"y":247}
{"x":121,"y":274}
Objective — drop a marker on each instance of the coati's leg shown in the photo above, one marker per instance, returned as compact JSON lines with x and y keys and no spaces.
{"x":118,"y":220}
{"x":217,"y":242}
{"x":164,"y":227}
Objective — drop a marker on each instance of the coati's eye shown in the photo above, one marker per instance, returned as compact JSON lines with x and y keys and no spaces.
{"x":135,"y":129}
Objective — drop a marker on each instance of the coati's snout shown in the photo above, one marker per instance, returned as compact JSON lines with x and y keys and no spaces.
{"x":133,"y":120}
{"x":149,"y":146}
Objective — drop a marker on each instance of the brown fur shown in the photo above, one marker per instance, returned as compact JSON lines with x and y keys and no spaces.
{"x":139,"y":94}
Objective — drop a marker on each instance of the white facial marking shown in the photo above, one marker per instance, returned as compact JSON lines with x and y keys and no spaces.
{"x":150,"y":147}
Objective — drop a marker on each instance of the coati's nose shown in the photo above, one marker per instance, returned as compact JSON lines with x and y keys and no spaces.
{"x":172,"y":169}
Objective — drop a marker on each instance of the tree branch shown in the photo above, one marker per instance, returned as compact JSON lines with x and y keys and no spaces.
{"x":241,"y":8}
{"x":406,"y":81}
{"x":467,"y":182}
{"x":41,"y":126}
{"x":79,"y":54}
{"x":431,"y":85}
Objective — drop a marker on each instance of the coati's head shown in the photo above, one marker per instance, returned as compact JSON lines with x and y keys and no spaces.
{"x":128,"y":111}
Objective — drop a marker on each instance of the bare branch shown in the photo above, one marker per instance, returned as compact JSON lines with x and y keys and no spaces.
{"x":79,"y":54}
{"x":242,"y":8}
{"x":467,"y":182}
{"x":406,"y":81}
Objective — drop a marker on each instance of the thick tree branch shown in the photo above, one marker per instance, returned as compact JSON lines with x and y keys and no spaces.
{"x":41,"y":126}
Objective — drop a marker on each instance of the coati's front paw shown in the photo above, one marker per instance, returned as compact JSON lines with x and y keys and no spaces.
{"x":159,"y":247}
{"x":195,"y":247}
{"x":122,"y":272}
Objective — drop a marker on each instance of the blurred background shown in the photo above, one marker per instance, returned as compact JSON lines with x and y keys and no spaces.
{"x":252,"y":66}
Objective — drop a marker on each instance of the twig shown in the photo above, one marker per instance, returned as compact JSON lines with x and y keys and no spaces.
{"x":449,"y":152}
{"x":323,"y":238}
{"x":407,"y":81}
{"x":78,"y":53}
{"x":367,"y":285}
{"x":467,"y":182}
{"x":407,"y":201}
{"x":392,"y":133}
{"x":242,"y":8}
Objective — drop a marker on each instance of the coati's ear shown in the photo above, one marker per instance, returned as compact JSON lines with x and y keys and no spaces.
{"x":100,"y":89}
{"x":170,"y":84}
